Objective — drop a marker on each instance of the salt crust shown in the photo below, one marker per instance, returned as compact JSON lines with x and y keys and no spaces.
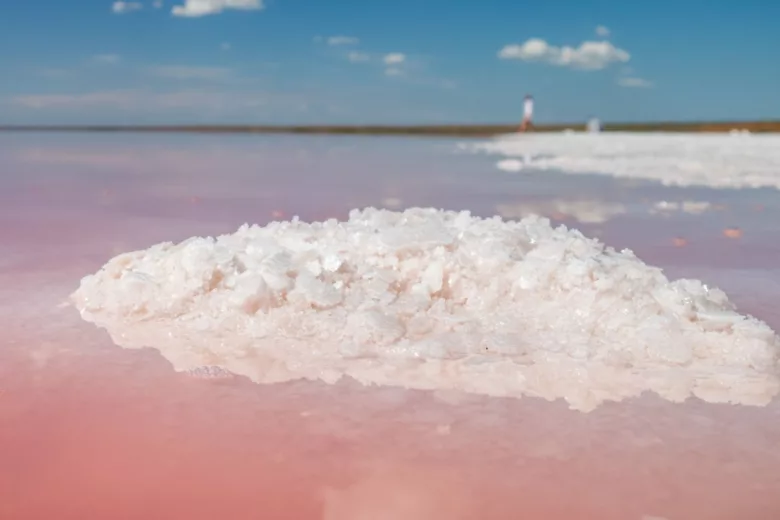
{"x":432,"y":299}
{"x":714,"y":160}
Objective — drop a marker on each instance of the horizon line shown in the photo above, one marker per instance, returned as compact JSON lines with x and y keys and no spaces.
{"x":454,"y":129}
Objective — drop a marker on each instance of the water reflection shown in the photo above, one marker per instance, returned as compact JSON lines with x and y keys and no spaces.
{"x":585,"y":211}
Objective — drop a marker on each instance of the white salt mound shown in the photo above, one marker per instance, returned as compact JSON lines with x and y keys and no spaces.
{"x":437,"y":300}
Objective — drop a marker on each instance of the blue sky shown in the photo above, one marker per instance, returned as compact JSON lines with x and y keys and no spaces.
{"x":383,"y":61}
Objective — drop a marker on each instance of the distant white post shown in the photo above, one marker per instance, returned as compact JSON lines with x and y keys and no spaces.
{"x":528,"y":113}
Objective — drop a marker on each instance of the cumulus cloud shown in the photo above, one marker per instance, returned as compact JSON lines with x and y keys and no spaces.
{"x":342,"y":40}
{"x":602,"y":31}
{"x":185,"y":73}
{"x":125,"y":7}
{"x":393,"y":71}
{"x":634,"y":82}
{"x":358,"y":57}
{"x":589,"y":55}
{"x":394,"y":58}
{"x":157,"y":4}
{"x":197,"y":8}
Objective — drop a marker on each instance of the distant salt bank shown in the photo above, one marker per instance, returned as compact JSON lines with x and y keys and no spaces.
{"x":437,"y":300}
{"x":674,"y":159}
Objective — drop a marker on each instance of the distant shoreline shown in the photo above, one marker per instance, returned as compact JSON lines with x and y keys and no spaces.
{"x":403,"y":130}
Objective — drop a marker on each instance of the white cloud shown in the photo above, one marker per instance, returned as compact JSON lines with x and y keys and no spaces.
{"x":394,"y":58}
{"x":113,"y":98}
{"x":126,"y":7}
{"x":142,"y":100}
{"x":358,"y":57}
{"x":225,"y":46}
{"x":634,"y":82}
{"x":106,"y":59}
{"x":602,"y":31}
{"x":185,"y":73}
{"x":157,"y":4}
{"x":342,"y":40}
{"x":196,"y":8}
{"x":394,"y":63}
{"x":589,"y":55}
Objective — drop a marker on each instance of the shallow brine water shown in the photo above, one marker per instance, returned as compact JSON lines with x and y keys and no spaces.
{"x":92,"y":430}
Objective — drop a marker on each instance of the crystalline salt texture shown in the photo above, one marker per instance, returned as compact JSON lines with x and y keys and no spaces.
{"x":436,"y":300}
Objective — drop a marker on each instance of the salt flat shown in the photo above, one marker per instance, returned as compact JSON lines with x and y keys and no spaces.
{"x":738,"y":160}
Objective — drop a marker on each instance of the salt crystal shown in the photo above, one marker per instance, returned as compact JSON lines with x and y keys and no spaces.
{"x":435,"y":299}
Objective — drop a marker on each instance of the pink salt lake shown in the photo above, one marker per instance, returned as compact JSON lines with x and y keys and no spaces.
{"x":90,"y":430}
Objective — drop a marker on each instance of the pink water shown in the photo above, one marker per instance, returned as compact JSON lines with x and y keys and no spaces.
{"x":90,"y":430}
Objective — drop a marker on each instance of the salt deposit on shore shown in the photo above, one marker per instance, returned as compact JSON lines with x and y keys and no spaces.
{"x":714,"y":160}
{"x":438,"y":300}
